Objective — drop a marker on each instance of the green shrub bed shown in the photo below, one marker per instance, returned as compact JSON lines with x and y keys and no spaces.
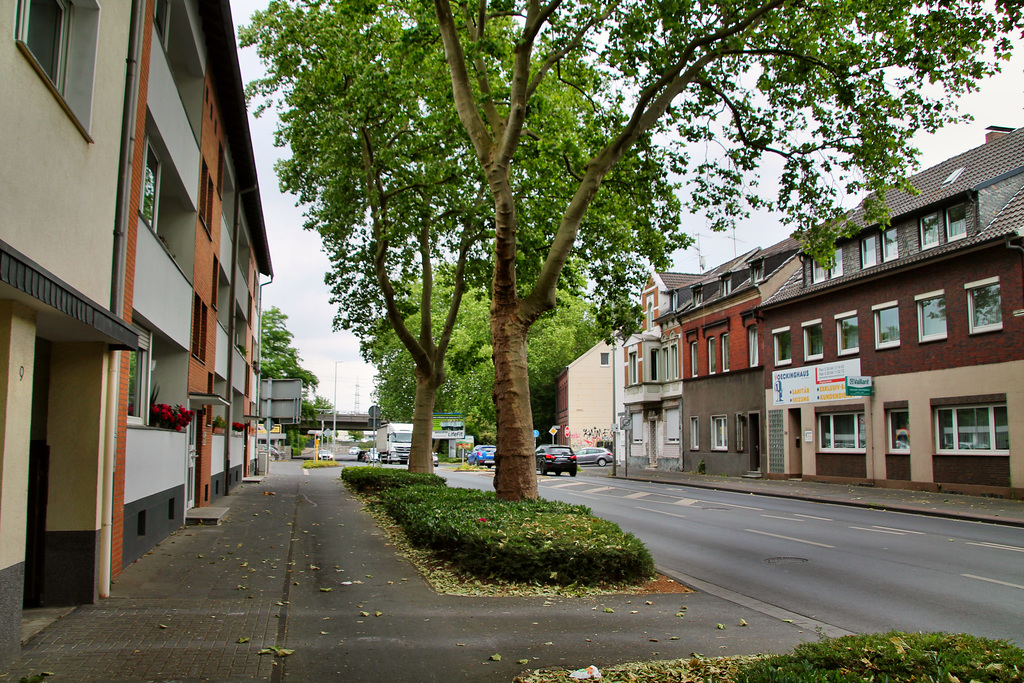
{"x":373,"y":480}
{"x":542,"y":542}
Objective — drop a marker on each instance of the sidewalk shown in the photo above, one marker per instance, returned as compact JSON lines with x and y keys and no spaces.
{"x":949,"y":505}
{"x":297,"y":564}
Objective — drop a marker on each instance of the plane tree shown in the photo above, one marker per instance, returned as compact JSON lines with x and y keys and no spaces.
{"x":833,"y":90}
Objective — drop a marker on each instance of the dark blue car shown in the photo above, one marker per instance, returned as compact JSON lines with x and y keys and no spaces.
{"x":482,"y":456}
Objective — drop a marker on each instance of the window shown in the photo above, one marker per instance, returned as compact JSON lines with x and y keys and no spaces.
{"x":725,"y":352}
{"x":60,"y":38}
{"x":741,"y":432}
{"x":150,"y":204}
{"x":650,"y":312}
{"x":783,"y":346}
{"x":931,"y":316}
{"x":694,"y":433}
{"x":638,"y":427}
{"x":956,"y":222}
{"x":138,"y":380}
{"x":719,"y":433}
{"x":160,"y":11}
{"x":753,"y":358}
{"x":206,"y":198}
{"x":693,"y":359}
{"x":712,"y":356}
{"x":654,"y":365}
{"x":672,"y":425}
{"x":887,"y":325}
{"x":868,"y":251}
{"x":757,"y":272}
{"x":847,"y":333}
{"x":930,"y":231}
{"x":727,"y":284}
{"x":842,"y":432}
{"x":672,"y":367}
{"x":605,"y":359}
{"x":973,"y":428}
{"x":814,"y":341}
{"x":698,"y":295}
{"x":819,"y":273}
{"x":632,"y":367}
{"x":984,"y":305}
{"x":890,"y":245}
{"x":899,"y":430}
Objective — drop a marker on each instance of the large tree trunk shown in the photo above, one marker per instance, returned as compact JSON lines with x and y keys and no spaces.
{"x":420,"y":457}
{"x":515,"y":474}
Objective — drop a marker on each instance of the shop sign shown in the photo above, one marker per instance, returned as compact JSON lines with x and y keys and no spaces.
{"x":814,"y":383}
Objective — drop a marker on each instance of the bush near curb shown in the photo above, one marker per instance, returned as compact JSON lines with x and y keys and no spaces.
{"x":316,"y":464}
{"x":544,"y":542}
{"x":372,"y":480}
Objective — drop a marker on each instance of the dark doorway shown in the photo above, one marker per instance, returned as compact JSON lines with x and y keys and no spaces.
{"x":35,"y":534}
{"x":754,"y":427}
{"x":796,"y":455}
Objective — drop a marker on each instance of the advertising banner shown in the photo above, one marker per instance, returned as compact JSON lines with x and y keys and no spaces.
{"x":813,"y":383}
{"x":449,"y":426}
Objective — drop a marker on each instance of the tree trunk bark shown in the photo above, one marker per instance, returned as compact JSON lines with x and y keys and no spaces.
{"x":515,"y":474}
{"x":420,"y":457}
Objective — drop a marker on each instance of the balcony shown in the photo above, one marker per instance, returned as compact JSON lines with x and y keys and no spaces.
{"x":646,"y":392}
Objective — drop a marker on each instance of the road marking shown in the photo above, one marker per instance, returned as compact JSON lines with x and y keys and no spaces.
{"x":997,"y":546}
{"x":599,"y":489}
{"x":638,"y":494}
{"x":788,"y":519}
{"x":685,"y":501}
{"x":670,"y":514}
{"x":734,"y":505}
{"x":569,"y":483}
{"x":878,"y":531}
{"x":823,"y":519}
{"x":1001,"y":583}
{"x":902,"y":531}
{"x":789,"y":538}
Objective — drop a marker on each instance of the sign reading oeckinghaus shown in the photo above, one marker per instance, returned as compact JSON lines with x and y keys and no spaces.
{"x":814,"y":383}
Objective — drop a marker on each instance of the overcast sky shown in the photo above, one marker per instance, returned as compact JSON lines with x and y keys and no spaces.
{"x":298,"y":287}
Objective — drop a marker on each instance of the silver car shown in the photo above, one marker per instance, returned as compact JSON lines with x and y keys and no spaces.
{"x":594,"y":456}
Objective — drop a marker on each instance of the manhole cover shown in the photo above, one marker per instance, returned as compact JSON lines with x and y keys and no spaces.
{"x":785,"y":560}
{"x":702,"y":507}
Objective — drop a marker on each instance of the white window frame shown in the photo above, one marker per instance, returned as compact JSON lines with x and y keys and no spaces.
{"x":632,"y":364}
{"x":741,"y":432}
{"x":840,"y":319}
{"x":878,"y":310}
{"x":753,"y":352}
{"x":650,"y":312}
{"x":694,"y":433}
{"x":144,"y":370}
{"x":893,"y":437}
{"x":859,"y":432}
{"x":869,"y":251}
{"x":672,"y":427}
{"x":712,"y":356}
{"x":775,"y":342}
{"x":726,"y":284}
{"x":605,"y":359}
{"x":720,"y":437}
{"x":955,"y":414}
{"x":697,"y":294}
{"x":807,"y":339}
{"x":972,"y":288}
{"x":921,"y":300}
{"x":693,"y":359}
{"x":890,"y":245}
{"x":757,"y":272}
{"x":937,"y":216}
{"x":950,"y":237}
{"x":725,"y":351}
{"x":152,"y":220}
{"x":673,"y":361}
{"x":637,"y":420}
{"x":72,"y":74}
{"x":652,"y":369}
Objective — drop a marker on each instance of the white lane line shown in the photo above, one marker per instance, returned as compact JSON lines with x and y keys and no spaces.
{"x":639,"y":494}
{"x":670,"y":514}
{"x":789,"y":538}
{"x":1001,"y":583}
{"x":732,"y":505}
{"x":823,"y":519}
{"x":902,"y":531}
{"x":568,"y":483}
{"x":788,"y":519}
{"x":599,"y":489}
{"x":997,"y":546}
{"x":878,"y":531}
{"x":685,"y":501}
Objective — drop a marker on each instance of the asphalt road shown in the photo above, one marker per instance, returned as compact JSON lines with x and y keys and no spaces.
{"x":856,"y":569}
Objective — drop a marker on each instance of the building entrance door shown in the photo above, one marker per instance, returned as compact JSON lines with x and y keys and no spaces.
{"x":190,"y":478}
{"x":754,"y":427}
{"x":795,"y":446}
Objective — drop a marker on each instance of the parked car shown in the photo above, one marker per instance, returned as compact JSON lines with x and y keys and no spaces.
{"x":354,"y":451}
{"x":594,"y":456}
{"x":482,"y":456}
{"x":557,"y":459}
{"x":325,"y":455}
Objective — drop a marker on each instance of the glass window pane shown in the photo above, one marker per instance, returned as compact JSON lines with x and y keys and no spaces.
{"x":848,"y":337}
{"x":45,"y":36}
{"x":930,"y":230}
{"x":868,"y":252}
{"x":1002,"y":428}
{"x":985,"y":306}
{"x":825,"y":427}
{"x":845,"y":431}
{"x":890,"y":245}
{"x":956,"y":222}
{"x":783,"y":346}
{"x":712,"y":356}
{"x":725,"y":353}
{"x":933,"y":317}
{"x":133,"y":384}
{"x":946,"y":429}
{"x":899,"y":430}
{"x":888,"y":321}
{"x":861,"y":431}
{"x":815,"y":340}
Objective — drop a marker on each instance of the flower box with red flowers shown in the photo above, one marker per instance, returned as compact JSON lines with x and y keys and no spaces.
{"x":170,"y":417}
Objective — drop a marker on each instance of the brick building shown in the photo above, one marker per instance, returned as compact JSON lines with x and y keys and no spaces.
{"x":932,"y":311}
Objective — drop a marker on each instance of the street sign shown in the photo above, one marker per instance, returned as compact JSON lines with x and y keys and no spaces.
{"x":553,"y":430}
{"x":535,"y":433}
{"x":625,"y":422}
{"x":567,"y":430}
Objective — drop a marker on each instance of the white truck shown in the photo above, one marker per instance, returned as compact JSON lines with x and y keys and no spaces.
{"x":394,"y":441}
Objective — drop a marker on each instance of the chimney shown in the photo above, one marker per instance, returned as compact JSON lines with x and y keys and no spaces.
{"x":996,"y":132}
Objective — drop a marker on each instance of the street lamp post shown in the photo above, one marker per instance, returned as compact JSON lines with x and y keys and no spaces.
{"x":334,"y":427}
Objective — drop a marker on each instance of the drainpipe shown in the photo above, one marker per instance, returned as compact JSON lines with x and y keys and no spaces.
{"x":123,"y":204}
{"x":231,"y":330}
{"x":259,"y":378}
{"x":1010,"y":245}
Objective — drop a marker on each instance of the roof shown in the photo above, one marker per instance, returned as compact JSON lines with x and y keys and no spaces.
{"x":677,"y":280}
{"x":220,"y":41}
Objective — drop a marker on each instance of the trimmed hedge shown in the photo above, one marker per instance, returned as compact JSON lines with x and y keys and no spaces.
{"x":376,"y":479}
{"x":544,"y":542}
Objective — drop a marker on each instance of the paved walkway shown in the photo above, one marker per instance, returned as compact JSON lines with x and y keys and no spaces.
{"x":297,"y":564}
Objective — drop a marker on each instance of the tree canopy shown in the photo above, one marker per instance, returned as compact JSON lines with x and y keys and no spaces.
{"x":279,"y":359}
